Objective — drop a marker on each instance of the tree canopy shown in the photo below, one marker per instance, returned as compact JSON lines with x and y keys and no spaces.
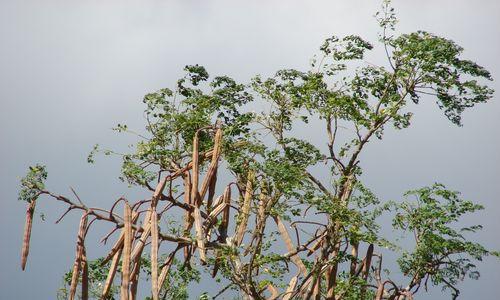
{"x":236,"y":195}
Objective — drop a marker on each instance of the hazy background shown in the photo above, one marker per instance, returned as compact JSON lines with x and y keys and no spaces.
{"x":71,"y":70}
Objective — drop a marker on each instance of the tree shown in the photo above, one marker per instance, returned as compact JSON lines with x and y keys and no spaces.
{"x":235,"y":193}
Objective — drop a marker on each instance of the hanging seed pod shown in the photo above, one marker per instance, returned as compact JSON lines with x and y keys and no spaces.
{"x":111,"y":274}
{"x":166,"y":267}
{"x":154,"y":254}
{"x":212,"y":217}
{"x":212,"y":169}
{"x":200,"y":236}
{"x":79,"y":255}
{"x":30,"y":210}
{"x":85,"y":276}
{"x":119,"y":242}
{"x":195,"y":196}
{"x":291,"y":287}
{"x":289,"y":245}
{"x":127,"y":242}
{"x":135,"y":280}
{"x":380,"y":291}
{"x":245,"y":209}
{"x":225,"y":215}
{"x":354,"y":259}
{"x":274,"y":292}
{"x":367,"y":261}
{"x":188,"y":216}
{"x":139,"y":245}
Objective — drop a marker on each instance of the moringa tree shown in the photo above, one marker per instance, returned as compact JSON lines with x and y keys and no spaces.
{"x":238,"y":196}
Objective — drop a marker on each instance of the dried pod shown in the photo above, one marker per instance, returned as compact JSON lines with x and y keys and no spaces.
{"x":225,"y":215}
{"x":274,"y":292}
{"x":291,"y":287}
{"x":212,"y":169}
{"x":127,"y":245}
{"x":154,"y":254}
{"x":200,"y":236}
{"x":146,"y":231}
{"x":85,"y":276}
{"x":79,"y":256}
{"x":30,"y":210}
{"x":289,"y":245}
{"x":111,"y":274}
{"x":119,"y":242}
{"x":195,"y":196}
{"x":134,"y":279}
{"x":245,"y":209}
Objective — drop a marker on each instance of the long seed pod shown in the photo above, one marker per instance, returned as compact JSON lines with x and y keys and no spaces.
{"x":367,"y":261}
{"x":200,"y":237}
{"x":135,"y":280}
{"x":30,"y":210}
{"x":85,"y":276}
{"x":291,"y":287}
{"x":289,"y":245}
{"x":119,"y":242}
{"x":317,"y":244}
{"x":127,"y":245}
{"x":245,"y":209}
{"x":188,"y":216}
{"x":354,"y":259}
{"x":331,"y":280}
{"x":202,"y":156}
{"x":212,"y":169}
{"x":274,"y":292}
{"x":111,"y":274}
{"x":154,"y":254}
{"x":79,"y":255}
{"x":166,"y":268}
{"x":212,"y":217}
{"x":226,"y":199}
{"x":380,"y":291}
{"x":225,"y":215}
{"x":195,"y":196}
{"x":146,"y":231}
{"x":366,"y":267}
{"x":316,"y":294}
{"x":211,"y":191}
{"x":159,"y":190}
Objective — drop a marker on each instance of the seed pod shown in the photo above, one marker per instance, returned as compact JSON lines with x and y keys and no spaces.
{"x":119,"y":242}
{"x":188,"y":216}
{"x":139,"y":245}
{"x":200,"y":237}
{"x":245,"y":209}
{"x":212,"y":169}
{"x":135,"y":279}
{"x":85,"y":276}
{"x":291,"y":287}
{"x":195,"y":196}
{"x":127,"y":245}
{"x":225,"y":215}
{"x":154,"y":254}
{"x":289,"y":245}
{"x":274,"y":292}
{"x":111,"y":274}
{"x":30,"y":210}
{"x":166,"y":267}
{"x":79,"y":255}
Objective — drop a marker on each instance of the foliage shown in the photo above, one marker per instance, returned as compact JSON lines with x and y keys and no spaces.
{"x":295,"y":228}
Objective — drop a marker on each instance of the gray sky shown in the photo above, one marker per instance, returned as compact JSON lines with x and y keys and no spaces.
{"x":71,"y":70}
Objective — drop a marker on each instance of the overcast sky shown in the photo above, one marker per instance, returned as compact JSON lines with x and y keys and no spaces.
{"x":71,"y":70}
